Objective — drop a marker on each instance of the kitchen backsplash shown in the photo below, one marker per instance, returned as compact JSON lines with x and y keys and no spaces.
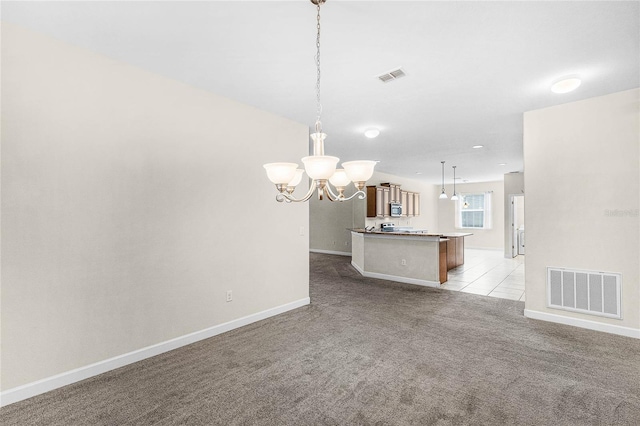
{"x":398,"y":221}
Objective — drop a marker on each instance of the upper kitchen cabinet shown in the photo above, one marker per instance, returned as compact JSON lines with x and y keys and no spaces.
{"x":403,"y":201}
{"x":410,"y":206}
{"x":394,"y":192}
{"x":379,"y":199}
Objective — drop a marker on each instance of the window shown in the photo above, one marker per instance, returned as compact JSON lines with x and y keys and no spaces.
{"x":474,"y":211}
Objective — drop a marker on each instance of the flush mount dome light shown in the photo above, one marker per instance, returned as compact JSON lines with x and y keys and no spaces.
{"x":478,"y":146}
{"x":566,"y":85}
{"x":371,"y":133}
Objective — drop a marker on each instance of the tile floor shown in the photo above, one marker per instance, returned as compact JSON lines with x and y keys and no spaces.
{"x":488,"y":273}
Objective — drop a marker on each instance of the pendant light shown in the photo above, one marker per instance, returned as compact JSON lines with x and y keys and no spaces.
{"x":319,"y":167}
{"x":454,"y":197}
{"x":443,"y":194}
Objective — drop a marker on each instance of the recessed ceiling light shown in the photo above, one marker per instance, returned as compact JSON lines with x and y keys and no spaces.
{"x":371,"y":133}
{"x":566,"y":85}
{"x":418,"y":173}
{"x":478,"y":146}
{"x":502,"y":164}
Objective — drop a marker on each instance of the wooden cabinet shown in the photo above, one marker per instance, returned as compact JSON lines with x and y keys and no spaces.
{"x":377,"y":201}
{"x":395,"y":195}
{"x":443,"y":262}
{"x":451,"y":254}
{"x":379,"y":197}
{"x":372,"y":201}
{"x":409,"y":204}
{"x":455,"y":252}
{"x":403,"y":201}
{"x":386,"y":208}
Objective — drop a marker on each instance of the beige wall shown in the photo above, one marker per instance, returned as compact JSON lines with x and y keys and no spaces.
{"x":130,"y":205}
{"x":329,"y":221}
{"x":482,"y":238}
{"x":513,"y":185}
{"x":582,"y":161}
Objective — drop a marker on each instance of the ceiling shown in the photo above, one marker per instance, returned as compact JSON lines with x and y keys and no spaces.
{"x":472,"y":68}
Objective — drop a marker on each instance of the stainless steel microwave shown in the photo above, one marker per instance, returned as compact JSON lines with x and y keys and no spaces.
{"x":396,"y":209}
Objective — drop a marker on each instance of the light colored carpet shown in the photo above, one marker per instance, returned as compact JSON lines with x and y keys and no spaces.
{"x":368,"y":352}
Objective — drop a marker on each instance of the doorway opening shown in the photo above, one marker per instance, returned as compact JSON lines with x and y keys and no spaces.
{"x":517,"y":226}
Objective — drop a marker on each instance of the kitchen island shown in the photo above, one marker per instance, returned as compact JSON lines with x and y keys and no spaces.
{"x":413,"y":258}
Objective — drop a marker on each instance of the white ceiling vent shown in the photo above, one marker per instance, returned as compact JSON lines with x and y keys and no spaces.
{"x":392,"y":75}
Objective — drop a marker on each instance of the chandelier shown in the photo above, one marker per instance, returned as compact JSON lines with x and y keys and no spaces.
{"x":319,"y":167}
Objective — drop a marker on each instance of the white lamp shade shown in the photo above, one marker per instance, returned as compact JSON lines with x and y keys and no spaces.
{"x":320,"y":166}
{"x":359,"y":171}
{"x":443,"y":196}
{"x":454,"y":197}
{"x":297,"y":178}
{"x":339,"y":179}
{"x":280,"y":173}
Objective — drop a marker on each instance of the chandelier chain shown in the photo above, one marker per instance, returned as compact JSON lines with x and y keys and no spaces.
{"x":319,"y":105}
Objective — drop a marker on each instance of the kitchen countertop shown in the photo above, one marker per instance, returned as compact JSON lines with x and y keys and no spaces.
{"x":456,"y":234}
{"x":413,"y":234}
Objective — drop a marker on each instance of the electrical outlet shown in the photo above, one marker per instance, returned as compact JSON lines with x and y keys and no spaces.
{"x":229,"y":295}
{"x":346,"y":243}
{"x":302,"y":231}
{"x":334,"y":243}
{"x":403,"y":262}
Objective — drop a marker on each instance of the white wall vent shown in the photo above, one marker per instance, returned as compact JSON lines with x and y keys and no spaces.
{"x":587,"y":292}
{"x":392,"y":75}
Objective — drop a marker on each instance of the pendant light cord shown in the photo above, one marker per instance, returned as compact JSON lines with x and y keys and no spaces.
{"x":454,"y":180}
{"x":319,"y":105}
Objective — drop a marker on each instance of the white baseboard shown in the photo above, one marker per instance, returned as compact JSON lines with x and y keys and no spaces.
{"x":59,"y":380}
{"x":359,"y":269}
{"x":415,"y":281}
{"x":339,"y":253}
{"x":582,"y":323}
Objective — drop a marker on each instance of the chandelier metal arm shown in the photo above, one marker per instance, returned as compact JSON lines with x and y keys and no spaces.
{"x":330,"y":194}
{"x":340,"y":197}
{"x":284,"y":196}
{"x":361,"y":196}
